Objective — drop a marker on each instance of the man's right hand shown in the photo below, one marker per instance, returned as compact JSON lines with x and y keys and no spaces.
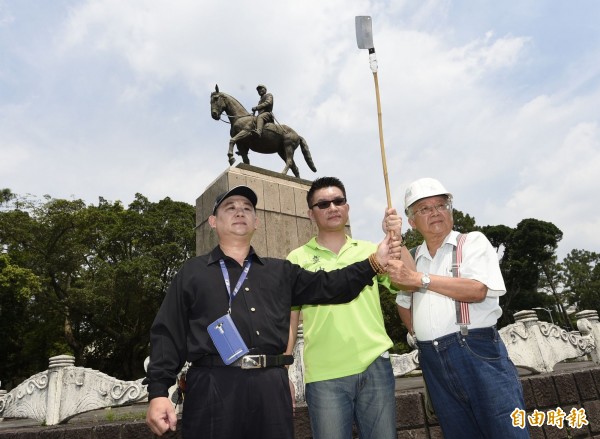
{"x":402,"y":275}
{"x":161,"y":416}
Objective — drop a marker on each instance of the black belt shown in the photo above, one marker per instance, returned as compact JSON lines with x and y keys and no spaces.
{"x":247,"y":361}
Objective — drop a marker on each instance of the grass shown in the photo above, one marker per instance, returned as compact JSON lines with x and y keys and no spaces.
{"x":112,"y":416}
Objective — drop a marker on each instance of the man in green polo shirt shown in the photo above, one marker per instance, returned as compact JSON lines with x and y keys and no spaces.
{"x":347,"y":370}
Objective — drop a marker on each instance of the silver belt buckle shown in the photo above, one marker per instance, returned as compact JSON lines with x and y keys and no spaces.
{"x":253,"y":361}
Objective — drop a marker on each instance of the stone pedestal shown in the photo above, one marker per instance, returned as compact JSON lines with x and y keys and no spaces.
{"x":281,"y":209}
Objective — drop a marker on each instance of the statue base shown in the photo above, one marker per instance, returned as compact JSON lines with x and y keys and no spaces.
{"x":283,"y":222}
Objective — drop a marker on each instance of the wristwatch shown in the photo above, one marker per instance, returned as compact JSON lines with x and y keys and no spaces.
{"x":425,"y":280}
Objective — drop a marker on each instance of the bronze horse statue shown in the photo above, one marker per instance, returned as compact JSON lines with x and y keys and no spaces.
{"x":279,"y":139}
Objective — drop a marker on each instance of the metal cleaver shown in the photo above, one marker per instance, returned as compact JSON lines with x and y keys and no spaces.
{"x":364,"y":32}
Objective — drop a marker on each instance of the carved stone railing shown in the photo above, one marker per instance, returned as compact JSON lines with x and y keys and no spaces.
{"x":64,"y":390}
{"x":539,"y":346}
{"x":405,"y":363}
{"x":296,"y":370}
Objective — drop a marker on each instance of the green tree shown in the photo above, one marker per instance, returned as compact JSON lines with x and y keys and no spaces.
{"x":41,"y":236}
{"x":531,"y":246}
{"x":463,"y":222}
{"x":136,"y":253}
{"x":18,"y":287}
{"x":5,"y":196}
{"x":581,"y":270}
{"x":103,"y":270}
{"x":499,"y":236}
{"x":552,"y":281}
{"x":393,"y":326}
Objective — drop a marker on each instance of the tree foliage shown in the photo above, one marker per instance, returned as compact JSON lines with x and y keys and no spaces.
{"x":103,"y":271}
{"x":582,"y":279}
{"x":5,"y":196}
{"x":530,"y":248}
{"x":18,"y":287}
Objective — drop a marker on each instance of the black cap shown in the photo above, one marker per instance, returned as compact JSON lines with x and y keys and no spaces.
{"x":244,"y":191}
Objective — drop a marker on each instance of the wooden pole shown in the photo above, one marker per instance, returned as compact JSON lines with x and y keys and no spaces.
{"x":381,"y":143}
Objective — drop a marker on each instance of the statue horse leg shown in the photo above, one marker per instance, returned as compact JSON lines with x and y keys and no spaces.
{"x":230,"y":152}
{"x":241,"y":151}
{"x":287,"y":167}
{"x":287,"y":154}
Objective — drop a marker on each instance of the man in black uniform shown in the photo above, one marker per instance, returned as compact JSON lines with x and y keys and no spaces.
{"x":264,"y":108}
{"x":250,"y":397}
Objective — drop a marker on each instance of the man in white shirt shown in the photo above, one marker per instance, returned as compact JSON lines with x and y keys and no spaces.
{"x":474,"y":387}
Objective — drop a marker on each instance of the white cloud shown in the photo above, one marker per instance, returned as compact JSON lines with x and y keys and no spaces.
{"x":562,"y":184}
{"x":13,"y":157}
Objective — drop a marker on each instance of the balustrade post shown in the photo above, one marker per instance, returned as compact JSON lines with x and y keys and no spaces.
{"x":524,"y":342}
{"x":588,"y":323}
{"x":538,"y":345}
{"x":296,"y":370}
{"x":54,"y":397}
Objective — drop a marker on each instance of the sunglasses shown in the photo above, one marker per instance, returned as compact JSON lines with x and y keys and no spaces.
{"x":326,"y":203}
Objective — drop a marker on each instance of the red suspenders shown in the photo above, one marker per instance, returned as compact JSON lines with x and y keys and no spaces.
{"x":462,"y":308}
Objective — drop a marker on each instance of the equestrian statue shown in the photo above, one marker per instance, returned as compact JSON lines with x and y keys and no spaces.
{"x":272,"y":138}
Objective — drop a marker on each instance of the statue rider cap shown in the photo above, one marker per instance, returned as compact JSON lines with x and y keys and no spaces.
{"x":423,"y":188}
{"x":244,"y":191}
{"x":259,"y":86}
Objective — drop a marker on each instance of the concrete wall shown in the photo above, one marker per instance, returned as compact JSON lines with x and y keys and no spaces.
{"x":281,"y":210}
{"x":575,"y":389}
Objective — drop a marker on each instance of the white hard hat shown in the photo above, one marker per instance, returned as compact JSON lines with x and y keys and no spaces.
{"x":423,"y":188}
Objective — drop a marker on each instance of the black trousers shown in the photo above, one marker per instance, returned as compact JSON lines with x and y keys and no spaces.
{"x":235,"y":403}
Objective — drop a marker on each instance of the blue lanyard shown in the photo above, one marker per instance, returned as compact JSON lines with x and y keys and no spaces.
{"x":239,"y":282}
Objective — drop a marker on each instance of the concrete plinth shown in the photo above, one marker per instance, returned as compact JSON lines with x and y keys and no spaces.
{"x":281,"y":209}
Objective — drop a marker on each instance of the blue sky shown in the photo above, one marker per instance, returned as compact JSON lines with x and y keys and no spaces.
{"x":498,"y":100}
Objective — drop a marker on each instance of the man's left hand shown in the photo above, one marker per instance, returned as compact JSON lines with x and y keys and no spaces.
{"x":392,"y":222}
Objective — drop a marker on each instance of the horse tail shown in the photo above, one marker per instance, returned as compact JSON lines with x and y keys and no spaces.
{"x":306,"y":154}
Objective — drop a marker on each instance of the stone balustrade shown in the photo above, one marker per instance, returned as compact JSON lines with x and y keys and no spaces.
{"x":538,"y":346}
{"x":62,"y":391}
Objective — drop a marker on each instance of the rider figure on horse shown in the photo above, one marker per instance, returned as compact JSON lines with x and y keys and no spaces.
{"x":264,"y":108}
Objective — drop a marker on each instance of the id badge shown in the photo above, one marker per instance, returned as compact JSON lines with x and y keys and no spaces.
{"x":227,"y":339}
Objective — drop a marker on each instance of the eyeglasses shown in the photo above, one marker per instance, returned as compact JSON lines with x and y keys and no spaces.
{"x":428,"y":210}
{"x":326,"y":203}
